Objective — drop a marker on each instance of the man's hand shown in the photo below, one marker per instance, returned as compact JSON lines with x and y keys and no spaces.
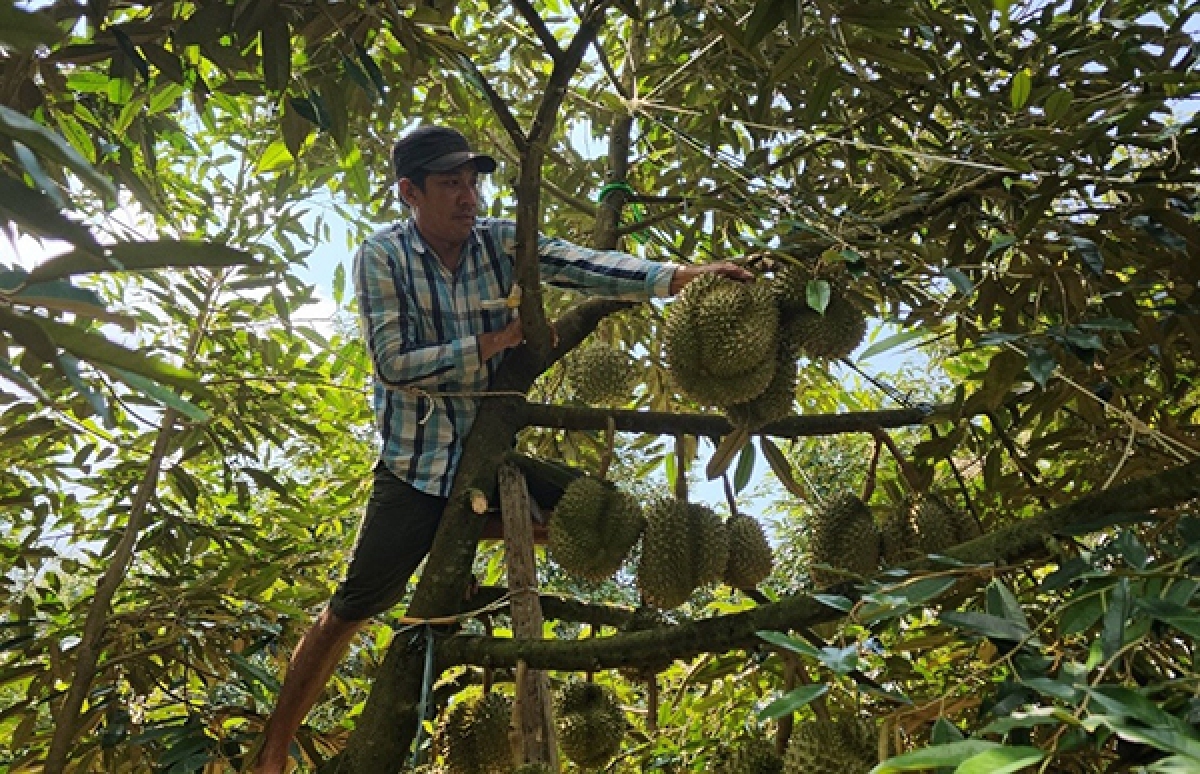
{"x":685,"y":274}
{"x":492,"y":344}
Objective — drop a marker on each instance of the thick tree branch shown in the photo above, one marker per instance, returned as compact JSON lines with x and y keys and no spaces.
{"x":727,"y":632}
{"x":499,"y":106}
{"x":538,"y":24}
{"x":528,"y":188}
{"x":714,"y":425}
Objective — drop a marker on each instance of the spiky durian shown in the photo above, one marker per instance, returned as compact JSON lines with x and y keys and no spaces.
{"x":599,"y":374}
{"x":898,"y":538}
{"x":590,"y":724}
{"x":709,"y":545}
{"x":593,"y":528}
{"x":473,"y":736}
{"x":664,"y":573}
{"x":843,"y":536}
{"x":775,"y":402}
{"x":843,"y":746}
{"x":828,"y":336}
{"x":750,"y":557}
{"x":720,"y":338}
{"x":939,"y":526}
{"x":752,"y":754}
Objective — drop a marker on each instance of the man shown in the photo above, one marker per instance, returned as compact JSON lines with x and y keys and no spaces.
{"x":431,"y":296}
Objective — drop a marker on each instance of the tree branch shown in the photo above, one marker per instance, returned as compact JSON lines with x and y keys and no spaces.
{"x":738,"y":630}
{"x":713,"y":425}
{"x":503,"y":114}
{"x":535,"y":21}
{"x":562,"y":608}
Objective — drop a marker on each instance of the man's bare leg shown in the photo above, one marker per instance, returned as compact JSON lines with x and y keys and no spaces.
{"x":318,"y":654}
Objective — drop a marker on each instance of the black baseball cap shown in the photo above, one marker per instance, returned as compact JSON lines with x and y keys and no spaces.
{"x":436,"y":149}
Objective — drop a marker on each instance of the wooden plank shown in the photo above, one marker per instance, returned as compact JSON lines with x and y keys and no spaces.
{"x":533,"y":724}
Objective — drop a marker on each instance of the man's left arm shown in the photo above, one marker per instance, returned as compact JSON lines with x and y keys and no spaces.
{"x":614,"y":274}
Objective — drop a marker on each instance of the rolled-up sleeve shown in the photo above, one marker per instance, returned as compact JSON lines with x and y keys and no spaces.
{"x":387,"y":311}
{"x":607,"y":273}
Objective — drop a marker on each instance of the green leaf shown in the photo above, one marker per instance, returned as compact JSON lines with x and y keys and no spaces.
{"x":143,"y":256}
{"x":1002,"y":602}
{"x":1000,"y":242}
{"x":841,"y":661}
{"x":1058,"y":103}
{"x":159,"y":393}
{"x":276,"y":156}
{"x":25,"y":31}
{"x":1182,"y":618}
{"x":794,"y":644}
{"x":893,"y":341}
{"x":953,"y":754}
{"x":36,"y":213}
{"x":339,"y":283}
{"x":1090,"y":253}
{"x":1112,"y":635}
{"x":817,"y":293}
{"x":962,"y":283}
{"x":53,"y":146}
{"x":95,"y":348}
{"x":35,"y":171}
{"x":836,"y":601}
{"x":70,"y":366}
{"x":1022,"y":83}
{"x":1041,"y":365}
{"x":767,"y":15}
{"x":1001,"y":760}
{"x":372,"y":69}
{"x":945,"y":732}
{"x":745,"y":467}
{"x":987,"y":625}
{"x":792,"y":702}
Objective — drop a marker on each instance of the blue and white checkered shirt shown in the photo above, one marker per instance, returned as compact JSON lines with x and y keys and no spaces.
{"x":422,"y":324}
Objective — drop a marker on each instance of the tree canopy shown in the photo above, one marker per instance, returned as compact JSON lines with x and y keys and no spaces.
{"x":1010,"y":187}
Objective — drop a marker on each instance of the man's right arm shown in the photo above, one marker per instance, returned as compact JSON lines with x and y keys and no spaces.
{"x":388,"y":311}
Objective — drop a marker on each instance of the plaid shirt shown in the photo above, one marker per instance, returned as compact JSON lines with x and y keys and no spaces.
{"x":422,"y":324}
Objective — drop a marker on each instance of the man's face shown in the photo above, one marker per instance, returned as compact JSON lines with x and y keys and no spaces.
{"x":445,"y":210}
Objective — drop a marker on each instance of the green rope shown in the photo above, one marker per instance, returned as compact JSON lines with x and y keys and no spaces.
{"x":635,"y":207}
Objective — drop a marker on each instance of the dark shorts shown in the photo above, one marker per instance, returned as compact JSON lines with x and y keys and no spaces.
{"x":395,"y":535}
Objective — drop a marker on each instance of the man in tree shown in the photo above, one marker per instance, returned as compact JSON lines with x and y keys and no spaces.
{"x":431,"y":294}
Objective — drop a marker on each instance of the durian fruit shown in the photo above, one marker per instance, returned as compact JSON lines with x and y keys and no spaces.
{"x":590,"y":724}
{"x":843,"y":536}
{"x":685,"y":546}
{"x":593,"y":528}
{"x":750,"y":556}
{"x":840,"y":746}
{"x":898,"y":537}
{"x":709,"y":545}
{"x":599,"y":374}
{"x":831,"y":334}
{"x":939,"y":526}
{"x":473,"y":736}
{"x":720,"y":339}
{"x":663,"y":572}
{"x":828,"y":336}
{"x":752,"y":754}
{"x":775,"y":402}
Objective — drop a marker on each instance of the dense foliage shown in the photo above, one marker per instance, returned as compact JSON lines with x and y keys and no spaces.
{"x":1011,"y":187}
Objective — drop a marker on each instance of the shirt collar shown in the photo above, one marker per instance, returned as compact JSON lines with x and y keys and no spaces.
{"x":418,"y":242}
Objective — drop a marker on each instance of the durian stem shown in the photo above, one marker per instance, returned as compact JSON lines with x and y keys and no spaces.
{"x":681,"y":466}
{"x":610,"y":440}
{"x":730,"y":497}
{"x":962,"y":484}
{"x":872,"y":471}
{"x":907,"y":471}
